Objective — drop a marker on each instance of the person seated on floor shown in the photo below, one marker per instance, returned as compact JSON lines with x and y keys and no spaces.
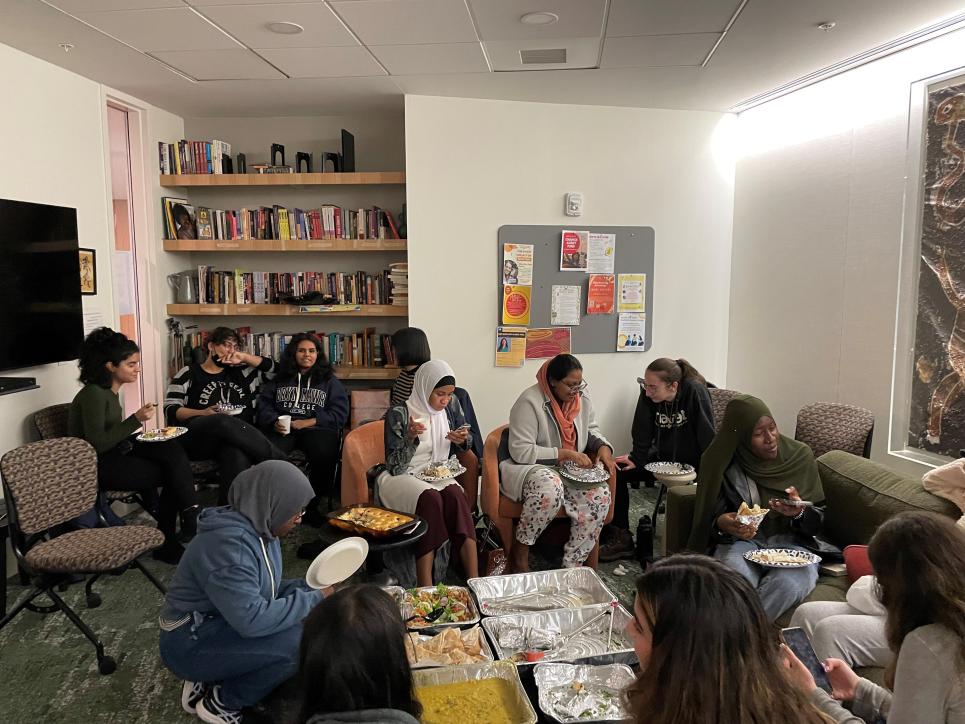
{"x":306,"y":389}
{"x":750,"y":461}
{"x":215,"y":400}
{"x":552,"y":422}
{"x":699,"y":632}
{"x":673,"y":422}
{"x":411,"y":348}
{"x":109,"y":360}
{"x":852,"y":630}
{"x":370,"y":679}
{"x":230,"y":624}
{"x":429,"y":428}
{"x":918,"y":559}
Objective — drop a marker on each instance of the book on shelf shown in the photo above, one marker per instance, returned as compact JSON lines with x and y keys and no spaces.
{"x":268,"y":168}
{"x":399,"y":279}
{"x":180,"y":220}
{"x":192,"y":157}
{"x":286,"y":224}
{"x":239,"y":286}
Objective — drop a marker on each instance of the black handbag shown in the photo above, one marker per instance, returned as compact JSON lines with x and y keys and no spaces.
{"x":489,"y":549}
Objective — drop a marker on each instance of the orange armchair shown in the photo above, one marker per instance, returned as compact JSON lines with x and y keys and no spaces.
{"x":504,"y":511}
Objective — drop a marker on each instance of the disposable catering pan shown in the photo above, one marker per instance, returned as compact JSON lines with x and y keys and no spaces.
{"x":407,"y":608}
{"x":540,"y":591}
{"x":429,"y":662}
{"x":405,"y":523}
{"x":476,"y":672}
{"x":569,"y":693}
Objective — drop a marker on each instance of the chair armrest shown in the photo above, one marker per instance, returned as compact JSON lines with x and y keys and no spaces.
{"x":678,"y":521}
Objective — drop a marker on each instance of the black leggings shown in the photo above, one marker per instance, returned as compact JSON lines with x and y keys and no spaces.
{"x":234,"y":444}
{"x":621,"y":501}
{"x":320,"y":447}
{"x":147,"y":467}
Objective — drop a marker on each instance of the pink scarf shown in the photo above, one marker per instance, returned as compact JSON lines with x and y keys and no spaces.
{"x":564,"y":415}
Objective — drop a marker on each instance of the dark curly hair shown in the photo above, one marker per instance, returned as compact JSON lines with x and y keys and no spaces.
{"x":288,"y":368}
{"x":101,"y":346}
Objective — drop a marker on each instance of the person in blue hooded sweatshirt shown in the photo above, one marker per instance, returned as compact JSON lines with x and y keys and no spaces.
{"x":231,"y":626}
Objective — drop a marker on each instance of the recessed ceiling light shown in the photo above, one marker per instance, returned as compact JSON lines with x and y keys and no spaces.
{"x":540,"y":18}
{"x":828,"y":26}
{"x":285,"y":28}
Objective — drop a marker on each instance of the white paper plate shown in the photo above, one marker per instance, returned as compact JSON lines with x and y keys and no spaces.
{"x":337,"y":562}
{"x":669,"y":468}
{"x":596,"y":474}
{"x":161,"y":434}
{"x":800,"y":558}
{"x":230,"y":409}
{"x":453,"y":473}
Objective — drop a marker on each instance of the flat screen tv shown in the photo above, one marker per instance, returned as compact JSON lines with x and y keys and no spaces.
{"x":41,"y":318}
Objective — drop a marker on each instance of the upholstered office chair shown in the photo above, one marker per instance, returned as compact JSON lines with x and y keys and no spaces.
{"x":719,"y":397}
{"x":46,"y":484}
{"x":828,"y":426}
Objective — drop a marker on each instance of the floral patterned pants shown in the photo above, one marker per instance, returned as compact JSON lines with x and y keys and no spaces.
{"x":543,"y":494}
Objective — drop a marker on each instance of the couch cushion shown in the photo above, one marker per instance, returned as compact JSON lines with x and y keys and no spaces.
{"x":862,"y":494}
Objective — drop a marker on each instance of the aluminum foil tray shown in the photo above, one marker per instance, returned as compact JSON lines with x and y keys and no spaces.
{"x":550,"y":591}
{"x":406,"y":609}
{"x":486,"y":652}
{"x":600,"y":696}
{"x":473,"y":672}
{"x":514,"y":634}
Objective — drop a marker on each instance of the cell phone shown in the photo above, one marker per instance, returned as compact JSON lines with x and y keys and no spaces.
{"x":796,"y":503}
{"x":464,"y":426}
{"x":797,"y":640}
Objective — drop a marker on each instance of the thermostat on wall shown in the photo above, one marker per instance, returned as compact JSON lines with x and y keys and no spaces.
{"x":574,"y":204}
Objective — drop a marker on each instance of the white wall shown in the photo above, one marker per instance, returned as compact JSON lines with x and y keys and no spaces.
{"x":817,"y":232}
{"x":474,"y":165}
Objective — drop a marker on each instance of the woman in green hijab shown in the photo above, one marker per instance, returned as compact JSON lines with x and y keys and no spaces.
{"x":750,"y":461}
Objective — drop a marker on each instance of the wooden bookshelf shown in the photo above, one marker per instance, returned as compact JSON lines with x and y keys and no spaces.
{"x":289,"y":245}
{"x":211,"y":180}
{"x":279,"y":310}
{"x":366,"y":373}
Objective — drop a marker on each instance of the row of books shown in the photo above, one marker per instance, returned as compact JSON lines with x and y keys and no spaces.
{"x":399,"y":278}
{"x":365,"y":348}
{"x":192,"y":156}
{"x":257,"y":287}
{"x":182,"y":221}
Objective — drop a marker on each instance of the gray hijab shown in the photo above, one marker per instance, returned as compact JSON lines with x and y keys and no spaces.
{"x":270,"y":493}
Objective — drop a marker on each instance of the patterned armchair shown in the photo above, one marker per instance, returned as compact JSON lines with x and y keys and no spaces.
{"x":719,"y":397}
{"x":828,"y":426}
{"x":46,"y":484}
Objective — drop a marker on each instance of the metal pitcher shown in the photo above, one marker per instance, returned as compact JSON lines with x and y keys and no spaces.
{"x":185,"y":286}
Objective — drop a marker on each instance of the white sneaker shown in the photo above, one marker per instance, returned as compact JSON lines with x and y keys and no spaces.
{"x":211,"y":710}
{"x":191,"y":693}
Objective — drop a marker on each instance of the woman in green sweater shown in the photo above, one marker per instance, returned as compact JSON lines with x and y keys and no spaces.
{"x":109,"y":360}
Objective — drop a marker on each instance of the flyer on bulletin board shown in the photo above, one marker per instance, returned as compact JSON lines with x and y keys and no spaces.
{"x":599,"y":294}
{"x":565,"y":305}
{"x":632,"y":332}
{"x":518,"y":264}
{"x":516,"y":304}
{"x":603,"y":253}
{"x":633,"y":293}
{"x":510,"y":346}
{"x":573,"y":250}
{"x":542,"y":342}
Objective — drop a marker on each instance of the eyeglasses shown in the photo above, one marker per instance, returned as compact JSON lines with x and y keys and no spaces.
{"x":578,"y":387}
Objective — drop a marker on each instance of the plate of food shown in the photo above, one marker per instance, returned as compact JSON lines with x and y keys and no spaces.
{"x":226,"y":408}
{"x":446,"y":470}
{"x":669,"y":468}
{"x":596,"y":474}
{"x":438,"y":605}
{"x":371,"y":520}
{"x":161,"y":434}
{"x":452,"y":647}
{"x":782,"y":558}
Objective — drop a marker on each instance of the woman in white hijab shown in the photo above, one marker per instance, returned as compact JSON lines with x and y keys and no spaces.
{"x":425,"y":431}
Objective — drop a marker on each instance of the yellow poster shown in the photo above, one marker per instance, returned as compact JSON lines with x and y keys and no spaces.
{"x":516,"y":304}
{"x":510,"y":346}
{"x":633,"y":293}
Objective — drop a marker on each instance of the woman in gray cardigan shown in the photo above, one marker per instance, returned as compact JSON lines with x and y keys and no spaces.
{"x":550,"y":423}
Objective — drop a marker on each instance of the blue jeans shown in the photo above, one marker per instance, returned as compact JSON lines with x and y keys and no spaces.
{"x":778,"y":588}
{"x":248,"y":669}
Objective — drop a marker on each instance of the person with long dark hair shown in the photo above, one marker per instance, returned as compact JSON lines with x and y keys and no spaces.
{"x":109,"y":360}
{"x":750,"y":461}
{"x":708,"y":654}
{"x":215,"y":400}
{"x":368,"y":679}
{"x":411,"y":348}
{"x":551,"y":422}
{"x":673,"y":422}
{"x":307,"y":391}
{"x":919,"y":559}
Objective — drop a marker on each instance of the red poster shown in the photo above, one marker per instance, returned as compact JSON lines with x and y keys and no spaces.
{"x":599,"y":296}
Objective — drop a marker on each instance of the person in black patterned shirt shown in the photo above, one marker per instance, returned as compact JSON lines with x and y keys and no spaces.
{"x":411,"y":350}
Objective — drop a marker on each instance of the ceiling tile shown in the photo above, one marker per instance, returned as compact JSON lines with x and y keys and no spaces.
{"x":500,"y":19}
{"x":407,"y":22}
{"x":212,"y":3}
{"x":220,"y":64}
{"x":580,"y":53}
{"x":430,"y":59}
{"x":165,"y":29}
{"x":249,"y":23}
{"x":651,"y":51}
{"x":87,"y":6}
{"x":659,"y":17}
{"x":339,"y":62}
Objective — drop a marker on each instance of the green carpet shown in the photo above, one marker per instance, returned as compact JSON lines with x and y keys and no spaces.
{"x":48,"y":671}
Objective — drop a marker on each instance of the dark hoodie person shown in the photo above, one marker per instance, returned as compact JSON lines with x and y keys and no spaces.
{"x":230,"y":625}
{"x":306,"y":390}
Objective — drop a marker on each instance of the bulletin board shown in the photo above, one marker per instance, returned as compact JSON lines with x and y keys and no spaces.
{"x":596,"y":333}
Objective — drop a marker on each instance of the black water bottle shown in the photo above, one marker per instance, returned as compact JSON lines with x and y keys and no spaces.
{"x":644,"y":540}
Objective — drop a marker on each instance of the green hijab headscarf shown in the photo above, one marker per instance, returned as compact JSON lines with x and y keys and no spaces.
{"x":794,"y":465}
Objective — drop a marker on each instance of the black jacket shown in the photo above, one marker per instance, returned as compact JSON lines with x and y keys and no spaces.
{"x":677,"y":431}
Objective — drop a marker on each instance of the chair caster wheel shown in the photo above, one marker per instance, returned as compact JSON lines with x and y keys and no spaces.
{"x":106,"y":665}
{"x":94,"y":600}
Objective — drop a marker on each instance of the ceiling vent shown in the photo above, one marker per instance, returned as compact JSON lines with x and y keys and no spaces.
{"x":543,"y":56}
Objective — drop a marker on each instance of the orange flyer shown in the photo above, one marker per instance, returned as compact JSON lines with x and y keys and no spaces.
{"x":516,"y":304}
{"x":599,"y":296}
